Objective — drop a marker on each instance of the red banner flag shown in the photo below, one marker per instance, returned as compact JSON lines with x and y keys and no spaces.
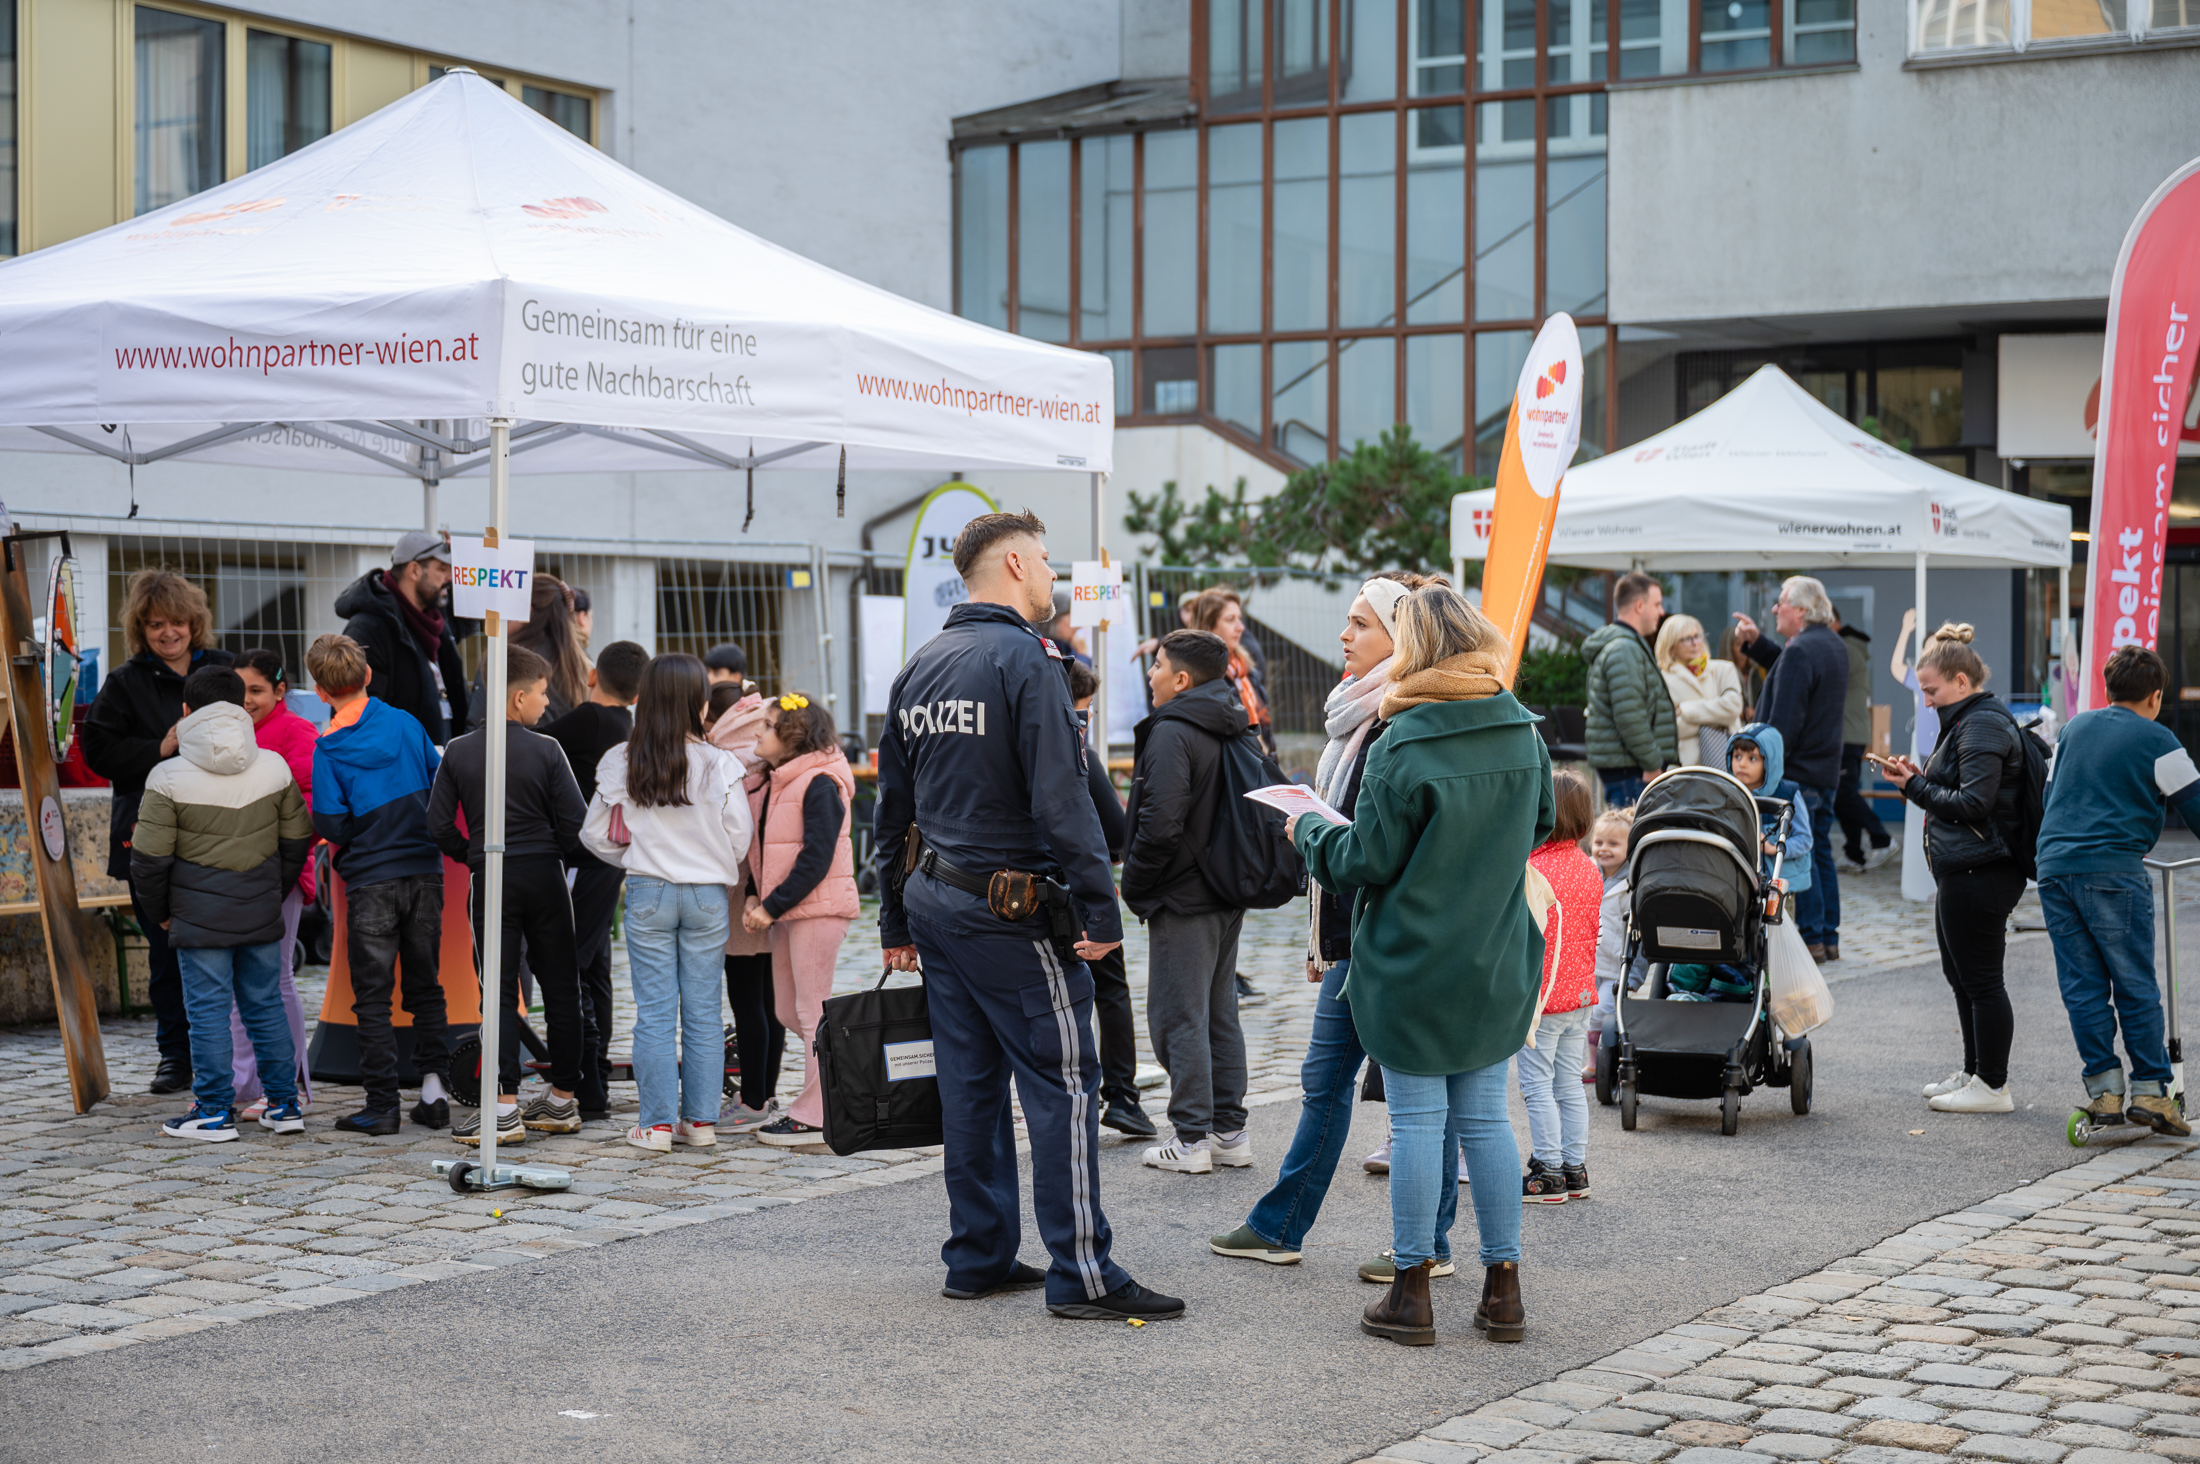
{"x":2146,"y":388}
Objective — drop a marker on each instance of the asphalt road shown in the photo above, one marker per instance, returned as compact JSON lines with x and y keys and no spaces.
{"x":816,"y":1331}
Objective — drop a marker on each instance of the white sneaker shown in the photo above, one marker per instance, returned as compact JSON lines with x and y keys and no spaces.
{"x":1234,"y":1150}
{"x":1957,"y":1079}
{"x":1873,"y":858}
{"x":1176,"y":1155}
{"x":695,"y":1135}
{"x":1463,"y":1169}
{"x":1975,"y":1097}
{"x":1379,"y":1161}
{"x":657,"y":1140}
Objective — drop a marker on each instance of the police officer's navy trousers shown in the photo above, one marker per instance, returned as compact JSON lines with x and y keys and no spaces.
{"x":1002,"y":1004}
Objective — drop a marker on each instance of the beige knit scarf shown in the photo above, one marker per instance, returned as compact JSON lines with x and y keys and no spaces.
{"x":1467,"y":677}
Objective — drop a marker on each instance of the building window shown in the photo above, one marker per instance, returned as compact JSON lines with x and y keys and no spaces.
{"x":8,"y":204}
{"x":568,"y":111}
{"x":180,"y":88}
{"x":1954,"y":28}
{"x":1723,"y":37}
{"x":286,"y":95}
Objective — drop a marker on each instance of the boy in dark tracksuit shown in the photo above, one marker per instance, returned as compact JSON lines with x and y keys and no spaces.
{"x":1111,"y":985}
{"x":371,"y":771}
{"x":543,"y":813}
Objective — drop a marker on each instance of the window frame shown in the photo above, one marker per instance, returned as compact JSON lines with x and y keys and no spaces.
{"x":2139,"y":34}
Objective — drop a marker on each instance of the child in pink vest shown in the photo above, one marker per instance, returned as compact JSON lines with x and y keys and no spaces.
{"x":804,"y":889}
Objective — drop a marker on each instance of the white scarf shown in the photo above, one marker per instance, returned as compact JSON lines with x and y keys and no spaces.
{"x":1346,"y":717}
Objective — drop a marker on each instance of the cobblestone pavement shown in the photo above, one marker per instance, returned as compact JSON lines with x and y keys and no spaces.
{"x":2058,"y":1323}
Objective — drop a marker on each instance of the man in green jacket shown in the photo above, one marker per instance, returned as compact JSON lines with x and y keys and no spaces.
{"x":1631,"y":733}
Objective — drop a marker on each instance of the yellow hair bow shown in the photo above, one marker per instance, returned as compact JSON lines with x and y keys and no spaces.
{"x":793,"y":701}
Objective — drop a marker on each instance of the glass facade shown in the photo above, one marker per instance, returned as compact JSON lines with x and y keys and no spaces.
{"x":1954,"y":27}
{"x":1293,"y":268}
{"x":8,"y":205}
{"x":575,"y":114}
{"x":286,"y":95}
{"x":180,"y":90}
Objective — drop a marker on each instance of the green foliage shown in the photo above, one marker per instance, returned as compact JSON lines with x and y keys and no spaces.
{"x":1553,"y":678}
{"x":1386,"y":505}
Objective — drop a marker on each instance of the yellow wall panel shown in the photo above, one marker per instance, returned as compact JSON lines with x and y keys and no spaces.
{"x":374,"y":77}
{"x":72,"y":116}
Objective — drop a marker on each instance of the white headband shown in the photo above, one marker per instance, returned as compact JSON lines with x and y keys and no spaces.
{"x":1384,"y":595}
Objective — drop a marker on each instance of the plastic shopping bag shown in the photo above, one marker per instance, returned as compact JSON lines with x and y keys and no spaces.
{"x":1800,"y":1001}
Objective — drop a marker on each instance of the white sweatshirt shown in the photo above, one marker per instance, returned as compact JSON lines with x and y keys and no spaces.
{"x":699,"y":842}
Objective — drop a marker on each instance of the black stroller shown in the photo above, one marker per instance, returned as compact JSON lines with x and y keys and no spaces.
{"x":1697,"y":896}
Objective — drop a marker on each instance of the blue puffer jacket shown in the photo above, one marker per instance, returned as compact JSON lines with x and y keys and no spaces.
{"x":370,"y":796}
{"x":1795,"y":854}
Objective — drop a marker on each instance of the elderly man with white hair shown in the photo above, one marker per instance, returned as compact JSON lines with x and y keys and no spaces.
{"x":1806,"y":697}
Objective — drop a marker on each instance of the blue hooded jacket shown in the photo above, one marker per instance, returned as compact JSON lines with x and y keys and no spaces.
{"x":1795,"y":858}
{"x":370,"y":796}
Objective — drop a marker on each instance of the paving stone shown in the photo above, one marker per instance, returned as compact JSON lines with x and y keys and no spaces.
{"x":2177,"y":1425}
{"x":1719,"y":1456}
{"x":1593,"y":1445}
{"x":1427,"y":1451}
{"x":1823,"y":1400}
{"x":1893,"y":1433}
{"x":1542,"y":1415}
{"x":1994,"y":1421}
{"x":1794,"y":1446}
{"x":1706,"y":1432}
{"x":2109,"y":1456}
{"x":1960,"y":1375}
{"x":1685,"y":1406}
{"x":2000,"y":1401}
{"x":2128,"y":1377}
{"x":1900,"y":1410}
{"x":1488,"y":1432}
{"x":1887,"y":1454}
{"x":2111,"y":1415}
{"x":2078,"y":1332}
{"x":1933,"y":1350}
{"x":83,"y":1318}
{"x":1805,"y":1420}
{"x":2014,"y":1451}
{"x":1567,"y":1395}
{"x":1702,"y":1387}
{"x":1620,"y":1421}
{"x":1761,"y":1372}
{"x":2093,"y":1436}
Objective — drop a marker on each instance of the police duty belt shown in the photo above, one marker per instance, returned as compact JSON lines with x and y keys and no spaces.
{"x":1008,"y":893}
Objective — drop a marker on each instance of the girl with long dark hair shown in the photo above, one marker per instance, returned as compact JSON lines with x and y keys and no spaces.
{"x":671,"y":811}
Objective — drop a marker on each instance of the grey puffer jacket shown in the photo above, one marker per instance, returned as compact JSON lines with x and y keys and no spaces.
{"x":1630,"y":722}
{"x":1969,"y":791}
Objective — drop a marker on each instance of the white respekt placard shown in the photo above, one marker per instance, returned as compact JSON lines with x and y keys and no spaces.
{"x":909,"y":1060}
{"x":1096,"y":593}
{"x":485,"y":579}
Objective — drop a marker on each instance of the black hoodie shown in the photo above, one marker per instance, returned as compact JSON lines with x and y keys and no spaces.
{"x":404,"y":677}
{"x":1173,"y":792}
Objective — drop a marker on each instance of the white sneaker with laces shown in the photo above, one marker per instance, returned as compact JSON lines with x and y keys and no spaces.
{"x":1975,"y":1097}
{"x":1873,"y":858}
{"x":1379,"y":1161}
{"x":1183,"y":1158}
{"x":1463,"y":1169}
{"x":696,"y":1135}
{"x":1957,"y":1079}
{"x":1234,"y":1150}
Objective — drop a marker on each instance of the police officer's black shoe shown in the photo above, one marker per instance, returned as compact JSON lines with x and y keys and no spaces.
{"x":1125,"y":1302}
{"x":1128,"y":1118}
{"x":1020,"y":1278}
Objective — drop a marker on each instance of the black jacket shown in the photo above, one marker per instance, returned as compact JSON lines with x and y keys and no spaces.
{"x":1806,"y":697}
{"x":136,"y":706}
{"x":543,"y":811}
{"x":1969,"y":791}
{"x":1173,"y":791}
{"x":1336,"y":912}
{"x":403,"y":675}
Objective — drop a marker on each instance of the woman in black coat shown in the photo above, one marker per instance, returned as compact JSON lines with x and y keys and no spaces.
{"x":1969,"y":793}
{"x":168,"y":630}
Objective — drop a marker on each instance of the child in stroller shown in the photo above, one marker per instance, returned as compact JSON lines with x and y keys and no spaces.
{"x":1756,"y":757}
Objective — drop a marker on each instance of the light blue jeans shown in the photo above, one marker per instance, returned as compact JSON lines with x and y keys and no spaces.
{"x":1428,"y":1117}
{"x":1550,"y":1084}
{"x":676,"y":958}
{"x":249,"y":977}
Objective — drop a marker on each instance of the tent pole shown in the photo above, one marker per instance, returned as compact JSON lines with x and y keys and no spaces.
{"x":2062,"y":644}
{"x":492,"y":837}
{"x":818,"y":574}
{"x":1917,"y":880}
{"x":1099,"y":719}
{"x":1917,"y":648}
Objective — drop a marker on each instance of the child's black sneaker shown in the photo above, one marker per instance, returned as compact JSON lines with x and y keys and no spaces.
{"x":1577,"y":1181}
{"x":1543,"y":1185}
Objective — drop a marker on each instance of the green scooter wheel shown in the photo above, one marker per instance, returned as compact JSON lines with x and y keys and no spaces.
{"x":2079,"y":1129}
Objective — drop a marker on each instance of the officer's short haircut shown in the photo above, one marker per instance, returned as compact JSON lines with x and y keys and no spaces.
{"x":619,"y":669}
{"x":1199,"y":653}
{"x":2132,"y":674}
{"x":726,"y":656}
{"x":211,"y":684}
{"x":1631,"y":588}
{"x":523,"y":667}
{"x":988,"y":529}
{"x":1083,"y":681}
{"x":337,"y":664}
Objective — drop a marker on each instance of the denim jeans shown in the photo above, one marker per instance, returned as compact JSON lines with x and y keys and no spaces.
{"x":214,"y":977}
{"x":1818,"y":909}
{"x":2102,"y":928}
{"x":1622,"y":792}
{"x":676,"y":957}
{"x":1429,"y":1117}
{"x":1333,"y":1057}
{"x":1550,"y":1084}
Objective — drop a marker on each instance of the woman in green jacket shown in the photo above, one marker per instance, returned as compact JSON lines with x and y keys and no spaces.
{"x":1446,"y":958}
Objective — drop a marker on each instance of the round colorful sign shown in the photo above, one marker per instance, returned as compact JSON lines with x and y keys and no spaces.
{"x":52,"y":829}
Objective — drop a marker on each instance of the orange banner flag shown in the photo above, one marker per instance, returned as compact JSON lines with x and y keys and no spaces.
{"x":1541,"y":433}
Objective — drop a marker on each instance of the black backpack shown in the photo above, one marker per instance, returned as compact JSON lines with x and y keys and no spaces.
{"x":2024,"y":839}
{"x":1248,"y":862}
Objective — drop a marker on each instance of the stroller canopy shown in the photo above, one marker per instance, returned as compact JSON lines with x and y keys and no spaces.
{"x":1702,"y":800}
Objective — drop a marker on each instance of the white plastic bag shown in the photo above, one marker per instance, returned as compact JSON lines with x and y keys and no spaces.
{"x":1800,"y":1001}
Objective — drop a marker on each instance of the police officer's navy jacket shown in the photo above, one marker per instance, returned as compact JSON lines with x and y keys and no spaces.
{"x":982,"y":752}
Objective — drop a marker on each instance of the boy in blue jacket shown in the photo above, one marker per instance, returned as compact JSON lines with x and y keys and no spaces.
{"x":372,"y":770}
{"x":1755,"y":756}
{"x":2116,"y":776}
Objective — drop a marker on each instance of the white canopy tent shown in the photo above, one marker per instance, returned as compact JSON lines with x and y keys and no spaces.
{"x":1767,"y":477}
{"x":456,"y":285}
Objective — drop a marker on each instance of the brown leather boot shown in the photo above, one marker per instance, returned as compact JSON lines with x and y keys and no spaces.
{"x":1404,"y":1313}
{"x":1501,"y":1313}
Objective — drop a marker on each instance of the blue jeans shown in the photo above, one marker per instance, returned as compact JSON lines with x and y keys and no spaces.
{"x":676,"y":958}
{"x":1818,"y":909}
{"x":1622,"y":792}
{"x":2102,"y":928}
{"x":1429,"y":1116}
{"x":249,"y":978}
{"x":1550,"y":1083}
{"x":1332,"y":1067}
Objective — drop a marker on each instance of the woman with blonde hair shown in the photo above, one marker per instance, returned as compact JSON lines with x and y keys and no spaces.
{"x":167,"y":632}
{"x":1706,"y":691}
{"x":1447,"y":963}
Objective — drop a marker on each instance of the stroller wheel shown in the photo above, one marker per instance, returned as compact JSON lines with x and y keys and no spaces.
{"x":1627,"y":1106}
{"x":1730,"y":1112}
{"x":1799,"y":1077}
{"x":1607,"y":1073}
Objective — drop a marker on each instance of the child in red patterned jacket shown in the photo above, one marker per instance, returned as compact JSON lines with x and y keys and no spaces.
{"x":1549,"y":1069}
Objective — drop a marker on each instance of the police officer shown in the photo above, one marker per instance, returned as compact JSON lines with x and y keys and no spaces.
{"x":993,"y":871}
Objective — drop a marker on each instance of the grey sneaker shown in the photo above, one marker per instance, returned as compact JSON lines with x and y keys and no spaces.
{"x":1243,"y":1242}
{"x":1384,"y":1269}
{"x":510,"y":1129}
{"x":546,"y":1115}
{"x":1234,"y":1151}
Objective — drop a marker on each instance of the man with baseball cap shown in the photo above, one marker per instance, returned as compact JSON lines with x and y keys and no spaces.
{"x":397,"y":616}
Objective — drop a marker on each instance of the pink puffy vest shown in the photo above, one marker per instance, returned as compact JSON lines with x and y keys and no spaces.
{"x":778,"y":838}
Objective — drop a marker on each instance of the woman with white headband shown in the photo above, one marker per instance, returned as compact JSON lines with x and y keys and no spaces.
{"x":1278,"y":1224}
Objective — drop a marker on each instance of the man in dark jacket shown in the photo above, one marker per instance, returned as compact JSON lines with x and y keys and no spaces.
{"x":1111,"y":986}
{"x":1631,"y":734}
{"x":1806,"y":696}
{"x":396,"y":616}
{"x":1191,"y":991}
{"x":1851,"y":807}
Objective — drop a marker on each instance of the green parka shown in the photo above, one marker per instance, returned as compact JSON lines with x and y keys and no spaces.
{"x":1446,"y":958}
{"x":1630,"y":711}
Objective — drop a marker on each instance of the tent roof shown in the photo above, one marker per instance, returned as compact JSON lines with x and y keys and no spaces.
{"x":364,"y":304}
{"x":1767,"y":477}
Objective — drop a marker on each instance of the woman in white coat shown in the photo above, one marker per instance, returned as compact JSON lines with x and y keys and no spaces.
{"x":1706,"y":691}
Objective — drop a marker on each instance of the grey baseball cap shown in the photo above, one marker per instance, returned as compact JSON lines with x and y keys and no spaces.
{"x":419,"y":544}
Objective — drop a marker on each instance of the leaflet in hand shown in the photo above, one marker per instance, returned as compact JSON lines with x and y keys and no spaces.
{"x":1296,"y":798}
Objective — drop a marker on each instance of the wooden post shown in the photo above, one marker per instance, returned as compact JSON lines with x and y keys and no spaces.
{"x":75,"y":1002}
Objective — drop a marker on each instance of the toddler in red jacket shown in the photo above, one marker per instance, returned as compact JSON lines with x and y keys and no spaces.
{"x":1549,"y":1071}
